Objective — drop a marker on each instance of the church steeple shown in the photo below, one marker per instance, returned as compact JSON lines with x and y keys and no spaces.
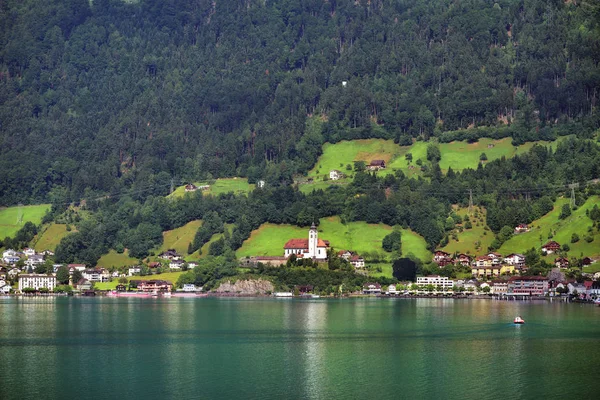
{"x":312,"y":241}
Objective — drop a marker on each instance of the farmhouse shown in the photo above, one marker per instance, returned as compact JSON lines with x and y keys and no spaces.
{"x":561,"y":262}
{"x":551,"y":247}
{"x":190,"y":187}
{"x":170,"y":254}
{"x":521,"y":228}
{"x":313,"y":247}
{"x":464,"y":260}
{"x":357,"y":261}
{"x":371,"y":288}
{"x":376,"y":165}
{"x":442,"y":258}
{"x":334,"y":175}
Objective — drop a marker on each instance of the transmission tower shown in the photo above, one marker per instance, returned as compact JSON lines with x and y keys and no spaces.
{"x":572,"y":197}
{"x":20,"y":214}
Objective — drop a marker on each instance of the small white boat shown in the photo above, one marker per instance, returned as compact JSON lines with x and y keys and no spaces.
{"x":519,"y":320}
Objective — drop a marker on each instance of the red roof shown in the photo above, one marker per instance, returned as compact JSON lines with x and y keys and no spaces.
{"x":551,"y":244}
{"x":302,"y":244}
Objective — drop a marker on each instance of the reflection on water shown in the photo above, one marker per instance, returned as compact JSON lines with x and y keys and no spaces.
{"x":266,"y":348}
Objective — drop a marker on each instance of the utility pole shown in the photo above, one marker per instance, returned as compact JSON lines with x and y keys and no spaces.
{"x":470,"y":201}
{"x":20,"y":214}
{"x":172,"y":186}
{"x":572,"y":197}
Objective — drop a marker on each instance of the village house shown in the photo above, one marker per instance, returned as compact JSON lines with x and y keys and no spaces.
{"x":551,"y":247}
{"x":334,"y":175}
{"x":357,"y":261}
{"x":499,"y":287}
{"x":190,"y":287}
{"x":496,"y":258}
{"x":392,"y":290}
{"x":47,"y":253}
{"x":154,"y":285}
{"x":507,"y":269}
{"x":561,"y":262}
{"x":531,"y":285}
{"x":96,"y":275}
{"x":13,"y":272}
{"x":170,"y":254}
{"x":28,"y":252}
{"x":371,"y":288}
{"x":83,"y":284}
{"x":576,"y":288}
{"x":441,"y":258}
{"x":37,"y":281}
{"x":190,"y":187}
{"x":345,"y":254}
{"x":464,"y":260}
{"x":435,"y":280}
{"x":260,"y":184}
{"x":471,"y":286}
{"x":521,"y":228}
{"x":516,"y":260}
{"x":376,"y":165}
{"x":34,"y":260}
{"x":176,"y":265}
{"x":135,"y":270}
{"x":78,"y":267}
{"x":313,"y":247}
{"x":5,"y":289}
{"x":204,"y":187}
{"x":10,"y":256}
{"x":483,"y":262}
{"x":485,"y":271}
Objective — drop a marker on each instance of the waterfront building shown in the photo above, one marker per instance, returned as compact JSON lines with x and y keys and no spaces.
{"x":435,"y":280}
{"x":532,"y":285}
{"x":371,"y":288}
{"x":499,"y":287}
{"x":37,"y":281}
{"x":154,"y":285}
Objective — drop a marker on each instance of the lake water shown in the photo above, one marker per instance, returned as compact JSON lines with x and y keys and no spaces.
{"x":296,"y":349}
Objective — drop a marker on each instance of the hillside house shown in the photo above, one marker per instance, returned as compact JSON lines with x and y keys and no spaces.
{"x":515,"y":259}
{"x":170,"y":254}
{"x":464,"y":260}
{"x":551,"y":247}
{"x":47,"y":253}
{"x":313,"y":247}
{"x":442,"y":258}
{"x":190,"y":187}
{"x":357,"y":261}
{"x":561,"y":262}
{"x":483,"y":262}
{"x":28,"y":252}
{"x":96,"y":275}
{"x":345,"y":254}
{"x":34,"y":260}
{"x":176,"y":265}
{"x":376,"y":165}
{"x":260,"y":184}
{"x":135,"y":270}
{"x":334,"y":175}
{"x":78,"y":267}
{"x":521,"y":228}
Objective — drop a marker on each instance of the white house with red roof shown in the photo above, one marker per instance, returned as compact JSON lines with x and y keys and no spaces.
{"x":313,"y":247}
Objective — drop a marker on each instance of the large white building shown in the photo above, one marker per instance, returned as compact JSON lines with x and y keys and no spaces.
{"x":435,"y":280}
{"x":313,"y":247}
{"x":37,"y":281}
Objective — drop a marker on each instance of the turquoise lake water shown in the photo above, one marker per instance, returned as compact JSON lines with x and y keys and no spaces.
{"x":296,"y":349}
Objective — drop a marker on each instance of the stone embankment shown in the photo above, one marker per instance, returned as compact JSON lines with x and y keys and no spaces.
{"x":246,"y":287}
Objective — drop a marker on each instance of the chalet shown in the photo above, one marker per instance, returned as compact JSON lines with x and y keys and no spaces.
{"x":83,"y":284}
{"x":96,"y":275}
{"x":440,"y":256}
{"x":10,"y":256}
{"x":190,"y":187}
{"x":313,"y":247}
{"x":176,"y":265}
{"x":345,"y":254}
{"x":334,"y":175}
{"x":154,"y":285}
{"x":561,"y":262}
{"x":551,"y":247}
{"x":515,"y":259}
{"x":357,"y":261}
{"x":78,"y":267}
{"x":531,"y":285}
{"x":521,"y":228}
{"x":371,"y":288}
{"x":483,"y":262}
{"x":170,"y":254}
{"x":47,"y":253}
{"x":496,"y":258}
{"x":464,"y":260}
{"x":28,"y":252}
{"x":376,"y":165}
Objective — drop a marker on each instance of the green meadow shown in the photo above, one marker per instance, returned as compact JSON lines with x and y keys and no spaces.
{"x":221,"y":185}
{"x":180,"y":238}
{"x":458,"y":155}
{"x":470,"y":241}
{"x":562,"y":230}
{"x":9,"y":218}
{"x":114,"y":259}
{"x":269,"y":239}
{"x":51,"y":237}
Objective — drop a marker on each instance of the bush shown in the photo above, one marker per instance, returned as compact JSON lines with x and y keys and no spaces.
{"x":574,"y":238}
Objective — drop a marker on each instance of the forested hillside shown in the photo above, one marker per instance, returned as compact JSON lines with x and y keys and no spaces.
{"x":100,"y":96}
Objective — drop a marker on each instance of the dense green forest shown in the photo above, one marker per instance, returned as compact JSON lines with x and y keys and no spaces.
{"x":99,"y":97}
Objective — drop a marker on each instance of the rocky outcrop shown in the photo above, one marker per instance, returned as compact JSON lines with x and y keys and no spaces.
{"x":246,"y":287}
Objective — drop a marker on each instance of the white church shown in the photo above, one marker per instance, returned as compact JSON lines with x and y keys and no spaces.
{"x":313,"y":247}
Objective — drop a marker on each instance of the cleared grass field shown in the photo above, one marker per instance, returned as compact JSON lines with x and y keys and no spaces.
{"x":361,"y":237}
{"x":458,"y":155}
{"x":471,"y":241}
{"x":114,"y":259}
{"x":51,"y":237}
{"x":578,"y":223}
{"x":167,"y":276}
{"x":221,"y":185}
{"x":9,"y":218}
{"x":180,"y":238}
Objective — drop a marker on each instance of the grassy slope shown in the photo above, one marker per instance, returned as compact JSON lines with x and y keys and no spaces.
{"x":51,"y":237}
{"x":167,"y":276}
{"x":8,"y":218}
{"x":180,"y":238}
{"x":458,"y":155}
{"x":221,"y":185}
{"x":269,"y":239}
{"x":114,"y":259}
{"x":468,"y":237}
{"x":578,"y":223}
